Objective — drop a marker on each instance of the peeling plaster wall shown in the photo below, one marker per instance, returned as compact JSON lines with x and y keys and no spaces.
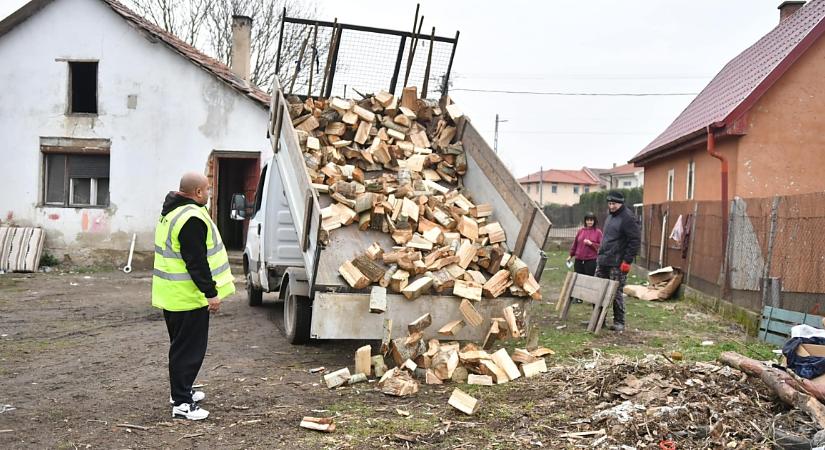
{"x":183,"y":113}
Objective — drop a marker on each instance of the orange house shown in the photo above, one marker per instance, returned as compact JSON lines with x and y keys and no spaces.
{"x":766,"y":112}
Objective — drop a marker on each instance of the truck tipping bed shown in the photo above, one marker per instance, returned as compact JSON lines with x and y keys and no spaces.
{"x":487,"y":180}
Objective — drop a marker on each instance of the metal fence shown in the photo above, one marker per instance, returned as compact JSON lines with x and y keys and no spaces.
{"x":773,"y":255}
{"x":338,"y":59}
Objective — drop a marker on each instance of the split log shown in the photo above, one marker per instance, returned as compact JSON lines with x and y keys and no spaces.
{"x":522,"y":356}
{"x":337,"y":378}
{"x":399,"y":384}
{"x":399,"y":281}
{"x":510,"y":317}
{"x":468,"y":227}
{"x":353,"y":276}
{"x":463,"y":402}
{"x":495,"y":232}
{"x":783,"y":384}
{"x":451,"y":328}
{"x":518,"y":270}
{"x":482,"y":210}
{"x":378,"y":299}
{"x":384,"y":282}
{"x":471,"y":315}
{"x":488,"y":367}
{"x":444,"y":363}
{"x":420,"y":323}
{"x":417,"y":288}
{"x":324,"y":424}
{"x":374,"y":251}
{"x":468,"y":290}
{"x":466,"y":253}
{"x":369,"y":268}
{"x":379,"y":367}
{"x":497,"y":284}
{"x":362,"y":360}
{"x":531,"y":286}
{"x":534,"y":368}
{"x":480,"y":380}
{"x":502,"y":359}
{"x":431,"y":378}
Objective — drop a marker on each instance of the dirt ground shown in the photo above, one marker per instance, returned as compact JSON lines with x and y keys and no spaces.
{"x":83,"y":354}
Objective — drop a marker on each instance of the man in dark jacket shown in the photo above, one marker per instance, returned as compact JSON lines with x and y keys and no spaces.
{"x":620,"y":244}
{"x":191,"y":275}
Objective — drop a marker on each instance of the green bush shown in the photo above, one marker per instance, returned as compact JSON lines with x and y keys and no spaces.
{"x":48,"y":260}
{"x":564,"y":216}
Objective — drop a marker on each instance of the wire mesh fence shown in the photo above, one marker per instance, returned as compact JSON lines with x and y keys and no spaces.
{"x":361,"y":59}
{"x":769,"y":241}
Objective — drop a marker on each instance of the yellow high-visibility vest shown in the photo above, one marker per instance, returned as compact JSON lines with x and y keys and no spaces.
{"x":172,"y":287}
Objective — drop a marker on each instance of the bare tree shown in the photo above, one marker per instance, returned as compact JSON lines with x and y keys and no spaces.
{"x":207,"y":25}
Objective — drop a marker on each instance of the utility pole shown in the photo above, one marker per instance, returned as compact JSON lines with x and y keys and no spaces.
{"x":541,"y":186}
{"x":495,"y":139}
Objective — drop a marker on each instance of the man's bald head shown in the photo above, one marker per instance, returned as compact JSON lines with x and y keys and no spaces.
{"x":191,"y":181}
{"x":195,"y":185}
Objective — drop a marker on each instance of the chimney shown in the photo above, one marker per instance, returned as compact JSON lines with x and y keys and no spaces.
{"x":241,"y":46}
{"x":789,"y":7}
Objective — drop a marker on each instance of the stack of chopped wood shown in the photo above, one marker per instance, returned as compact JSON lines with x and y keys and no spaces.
{"x":437,"y":363}
{"x":395,"y":166}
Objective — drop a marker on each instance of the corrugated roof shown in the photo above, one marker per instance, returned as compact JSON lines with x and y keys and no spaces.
{"x":211,"y":65}
{"x":746,"y":77}
{"x":560,"y":176}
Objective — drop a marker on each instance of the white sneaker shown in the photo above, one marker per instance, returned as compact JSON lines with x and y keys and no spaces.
{"x":196,"y":397}
{"x":191,"y":412}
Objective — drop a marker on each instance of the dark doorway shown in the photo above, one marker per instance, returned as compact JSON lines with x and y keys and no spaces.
{"x":235,"y":175}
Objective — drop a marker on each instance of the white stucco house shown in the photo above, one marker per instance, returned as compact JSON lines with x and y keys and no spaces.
{"x":100,"y":114}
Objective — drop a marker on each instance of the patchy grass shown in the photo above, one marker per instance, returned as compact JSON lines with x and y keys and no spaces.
{"x":652,"y":327}
{"x":361,"y":420}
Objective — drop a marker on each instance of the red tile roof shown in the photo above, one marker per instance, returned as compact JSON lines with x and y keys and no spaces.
{"x":560,"y":176}
{"x":214,"y":67}
{"x":745,"y":78}
{"x":625,"y":169}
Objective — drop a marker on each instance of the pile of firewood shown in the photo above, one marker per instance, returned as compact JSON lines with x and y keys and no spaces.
{"x":437,"y":363}
{"x":395,"y":166}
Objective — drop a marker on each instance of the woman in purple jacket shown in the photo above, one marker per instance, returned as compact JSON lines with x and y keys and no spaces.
{"x":586,"y":246}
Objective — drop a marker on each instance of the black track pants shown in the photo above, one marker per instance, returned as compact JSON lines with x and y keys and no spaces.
{"x":188,"y":335}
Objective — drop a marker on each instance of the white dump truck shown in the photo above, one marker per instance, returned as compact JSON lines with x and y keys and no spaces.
{"x":285,"y":251}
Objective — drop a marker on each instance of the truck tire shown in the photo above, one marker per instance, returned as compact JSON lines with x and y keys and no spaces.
{"x":254,"y":295}
{"x":297,"y":317}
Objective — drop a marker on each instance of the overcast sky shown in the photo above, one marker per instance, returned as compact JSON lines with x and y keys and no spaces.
{"x":597,"y":46}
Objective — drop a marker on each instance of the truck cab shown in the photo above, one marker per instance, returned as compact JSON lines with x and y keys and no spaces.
{"x":272,"y":244}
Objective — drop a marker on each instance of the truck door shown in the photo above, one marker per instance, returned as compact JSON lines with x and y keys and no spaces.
{"x":255,"y":236}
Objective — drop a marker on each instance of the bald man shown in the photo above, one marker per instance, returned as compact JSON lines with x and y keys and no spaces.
{"x":190,"y":277}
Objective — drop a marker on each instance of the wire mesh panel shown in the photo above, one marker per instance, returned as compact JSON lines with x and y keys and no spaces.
{"x":362,"y":59}
{"x":799,"y":247}
{"x":708,"y":250}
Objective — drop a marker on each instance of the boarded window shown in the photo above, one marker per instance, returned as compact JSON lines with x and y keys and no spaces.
{"x":76,"y":180}
{"x":83,"y":87}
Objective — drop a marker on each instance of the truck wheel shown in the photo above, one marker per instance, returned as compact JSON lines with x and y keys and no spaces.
{"x":253,"y":294}
{"x":297,"y":317}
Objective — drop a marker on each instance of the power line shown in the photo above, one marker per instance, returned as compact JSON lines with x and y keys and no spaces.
{"x":526,"y":76}
{"x":580,"y":94}
{"x":607,"y":133}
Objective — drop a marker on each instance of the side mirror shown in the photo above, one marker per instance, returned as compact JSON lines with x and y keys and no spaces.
{"x":238,"y":207}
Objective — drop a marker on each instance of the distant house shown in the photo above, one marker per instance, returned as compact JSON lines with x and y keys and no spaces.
{"x":766,"y":110}
{"x":563,"y":187}
{"x":626,"y":176}
{"x":101,"y":114}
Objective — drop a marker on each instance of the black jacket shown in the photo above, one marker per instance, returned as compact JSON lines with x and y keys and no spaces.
{"x":192,"y":240}
{"x":621,"y":240}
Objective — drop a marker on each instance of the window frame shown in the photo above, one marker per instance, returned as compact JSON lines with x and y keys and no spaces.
{"x":670,"y":187}
{"x":69,"y":81}
{"x":576,"y":188}
{"x":554,"y":188}
{"x":69,"y":147}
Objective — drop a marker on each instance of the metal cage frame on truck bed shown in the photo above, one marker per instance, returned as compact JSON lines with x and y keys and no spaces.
{"x":375,"y":58}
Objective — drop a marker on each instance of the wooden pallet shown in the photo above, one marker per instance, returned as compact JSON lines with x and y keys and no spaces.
{"x":775,"y":326}
{"x":598,"y":292}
